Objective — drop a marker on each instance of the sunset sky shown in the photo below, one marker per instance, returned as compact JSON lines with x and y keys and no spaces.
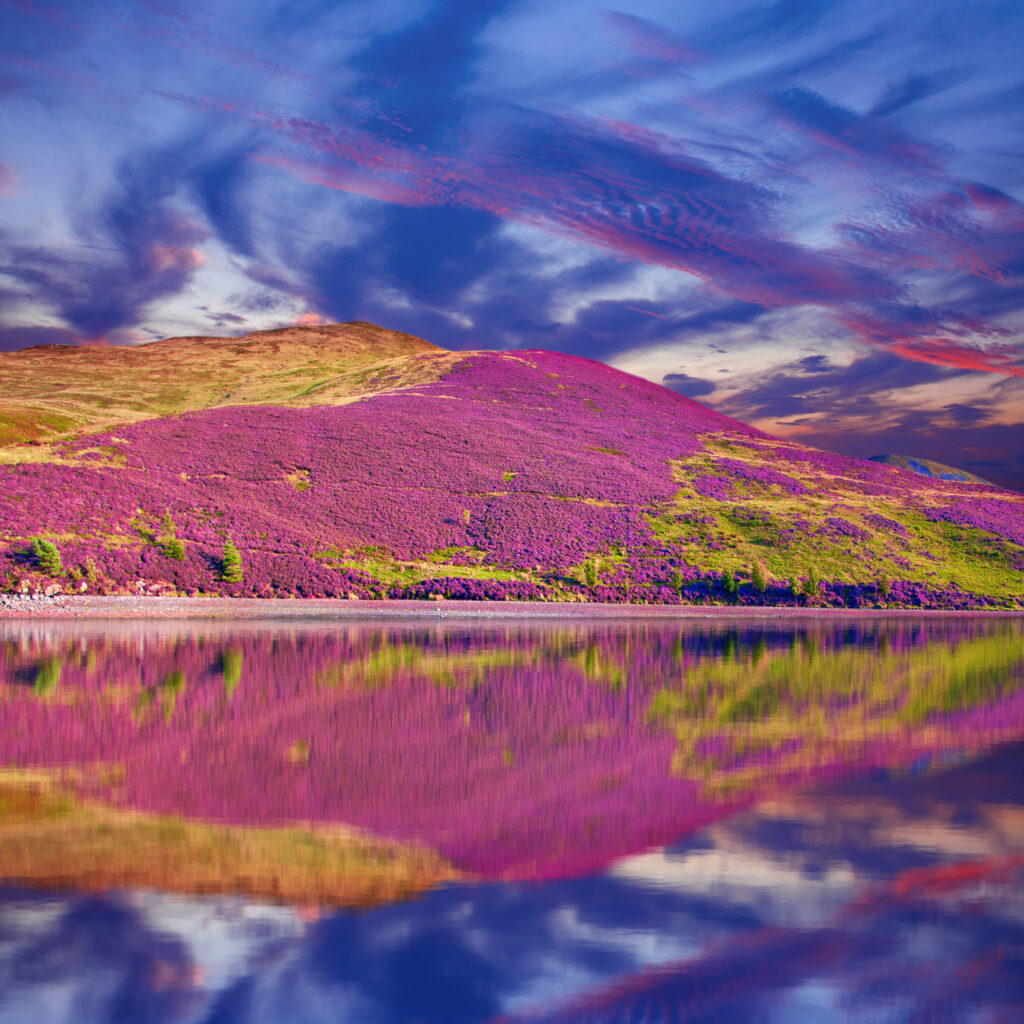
{"x":808,"y":214}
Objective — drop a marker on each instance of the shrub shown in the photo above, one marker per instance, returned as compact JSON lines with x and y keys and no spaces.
{"x":592,"y":572}
{"x":174,"y":548}
{"x":231,"y":563}
{"x":47,"y":556}
{"x":729,"y":582}
{"x":884,"y":585}
{"x":678,"y":581}
{"x":812,"y":585}
{"x":760,"y":578}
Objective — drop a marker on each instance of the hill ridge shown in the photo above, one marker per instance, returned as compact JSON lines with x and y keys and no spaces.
{"x":534,"y":475}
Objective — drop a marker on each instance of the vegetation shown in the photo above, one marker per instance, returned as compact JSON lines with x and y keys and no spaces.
{"x":362,"y":498}
{"x":47,"y":556}
{"x":231,"y":570}
{"x":759,"y":578}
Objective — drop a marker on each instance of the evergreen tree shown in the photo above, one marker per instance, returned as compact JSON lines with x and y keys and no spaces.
{"x":231,"y":563}
{"x":812,"y":585}
{"x":47,"y":556}
{"x":760,"y":578}
{"x":173,"y":548}
{"x":729,"y":582}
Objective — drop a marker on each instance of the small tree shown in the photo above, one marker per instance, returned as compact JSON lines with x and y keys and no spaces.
{"x":884,"y":585}
{"x":729,"y":582}
{"x":47,"y":556}
{"x":173,"y":548}
{"x":677,"y":581}
{"x":812,"y":585}
{"x":760,"y":578}
{"x":794,"y":586}
{"x":592,"y":572}
{"x":231,"y":563}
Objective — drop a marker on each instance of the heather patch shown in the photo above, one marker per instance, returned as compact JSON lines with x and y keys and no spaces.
{"x":527,"y":468}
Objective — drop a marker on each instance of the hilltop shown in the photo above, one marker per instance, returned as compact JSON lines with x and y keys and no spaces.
{"x":929,"y":467}
{"x":352,"y":460}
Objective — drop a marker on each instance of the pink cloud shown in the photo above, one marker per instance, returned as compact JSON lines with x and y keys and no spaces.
{"x":8,"y":181}
{"x":640,"y":195}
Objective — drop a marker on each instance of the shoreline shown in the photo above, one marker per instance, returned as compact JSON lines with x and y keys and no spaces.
{"x":269,"y":609}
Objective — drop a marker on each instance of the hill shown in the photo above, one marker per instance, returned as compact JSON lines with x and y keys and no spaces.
{"x":928,"y":467}
{"x":354,"y":460}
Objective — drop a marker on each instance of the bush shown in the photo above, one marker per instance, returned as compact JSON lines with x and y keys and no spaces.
{"x":174,"y":548}
{"x":231,"y":563}
{"x":884,"y":585}
{"x":729,"y":582}
{"x":760,"y":578}
{"x":591,"y":572}
{"x":812,"y":585}
{"x":47,"y":556}
{"x":678,"y":582}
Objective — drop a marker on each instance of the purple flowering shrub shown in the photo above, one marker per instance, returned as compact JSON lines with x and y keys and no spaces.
{"x":539,"y":463}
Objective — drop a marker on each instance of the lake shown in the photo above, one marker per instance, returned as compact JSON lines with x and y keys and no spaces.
{"x":817,"y":818}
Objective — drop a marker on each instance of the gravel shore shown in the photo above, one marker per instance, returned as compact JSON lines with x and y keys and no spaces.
{"x":94,"y":607}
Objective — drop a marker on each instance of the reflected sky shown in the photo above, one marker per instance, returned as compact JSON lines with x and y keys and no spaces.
{"x":836,"y":806}
{"x":898,"y":897}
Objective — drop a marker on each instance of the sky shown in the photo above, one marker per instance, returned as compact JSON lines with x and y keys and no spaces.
{"x":808,"y":215}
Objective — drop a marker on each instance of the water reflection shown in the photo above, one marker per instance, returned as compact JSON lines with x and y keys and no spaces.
{"x":604,"y":821}
{"x":884,"y":899}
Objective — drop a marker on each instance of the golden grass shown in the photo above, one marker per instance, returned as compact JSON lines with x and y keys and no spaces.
{"x":51,"y":838}
{"x":53,"y":392}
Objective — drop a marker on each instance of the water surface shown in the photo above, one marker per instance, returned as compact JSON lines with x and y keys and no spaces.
{"x":817,"y":819}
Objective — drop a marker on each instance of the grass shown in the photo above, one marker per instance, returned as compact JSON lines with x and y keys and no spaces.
{"x":51,"y":838}
{"x":734,"y":539}
{"x":394,"y":572}
{"x":54,"y":395}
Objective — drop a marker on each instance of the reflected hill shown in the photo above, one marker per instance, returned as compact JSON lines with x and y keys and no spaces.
{"x":513,"y":751}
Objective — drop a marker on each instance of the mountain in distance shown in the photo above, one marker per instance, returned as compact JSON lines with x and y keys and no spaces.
{"x":928,"y":467}
{"x":349,"y":460}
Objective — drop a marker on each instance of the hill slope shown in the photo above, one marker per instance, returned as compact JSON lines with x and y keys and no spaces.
{"x":928,"y":467}
{"x":356,"y":460}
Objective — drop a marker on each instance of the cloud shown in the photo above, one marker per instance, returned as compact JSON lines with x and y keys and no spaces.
{"x":691,"y":387}
{"x":911,"y":89}
{"x":645,"y":196}
{"x":134,"y":248}
{"x":794,"y":161}
{"x":13,"y":338}
{"x":8,"y":181}
{"x":650,"y":40}
{"x":817,"y":400}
